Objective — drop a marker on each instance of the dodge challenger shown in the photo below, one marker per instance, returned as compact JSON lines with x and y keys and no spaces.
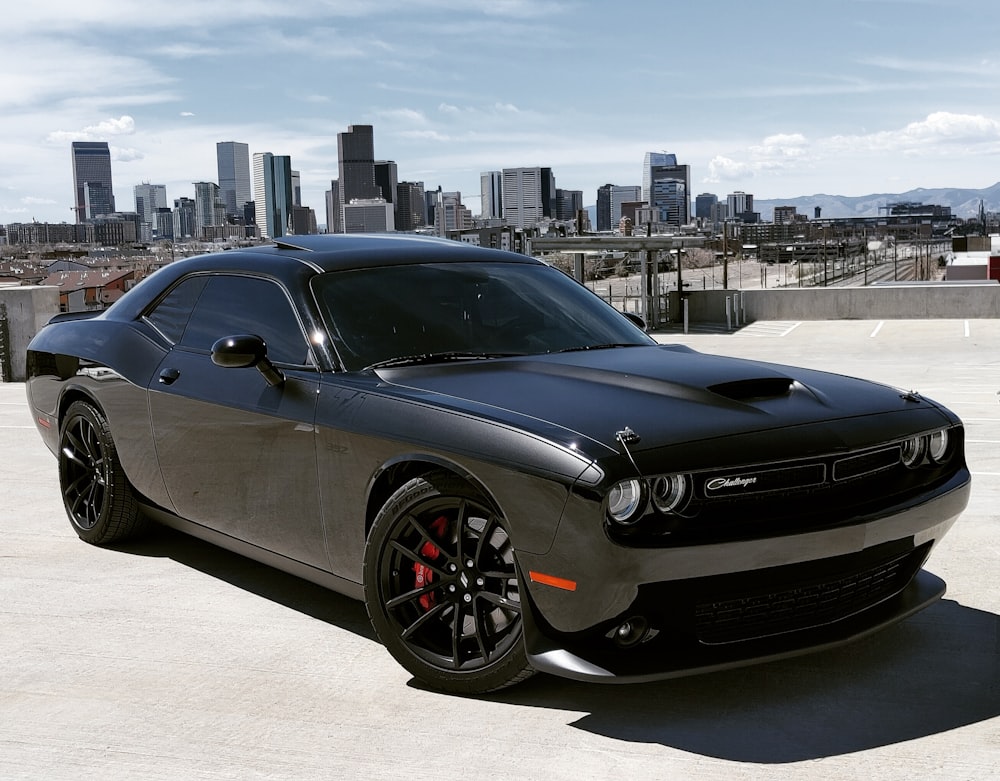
{"x":513,"y":476}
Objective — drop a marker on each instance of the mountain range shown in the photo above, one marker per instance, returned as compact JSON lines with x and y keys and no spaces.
{"x":964,"y":202}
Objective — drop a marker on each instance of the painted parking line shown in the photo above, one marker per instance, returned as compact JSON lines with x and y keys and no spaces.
{"x":772,"y":328}
{"x":967,"y":329}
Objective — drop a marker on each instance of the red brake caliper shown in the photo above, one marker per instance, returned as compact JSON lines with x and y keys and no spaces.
{"x":424,"y":575}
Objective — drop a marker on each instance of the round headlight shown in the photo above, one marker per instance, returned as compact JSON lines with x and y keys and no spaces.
{"x":912,"y":451}
{"x":937,"y":446}
{"x":670,"y":492}
{"x":626,"y":501}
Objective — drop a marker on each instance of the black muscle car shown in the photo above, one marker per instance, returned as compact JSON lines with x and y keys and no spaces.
{"x":512,"y":475}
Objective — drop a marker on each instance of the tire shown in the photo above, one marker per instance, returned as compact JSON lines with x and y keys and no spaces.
{"x":99,"y":500}
{"x":441,"y":587}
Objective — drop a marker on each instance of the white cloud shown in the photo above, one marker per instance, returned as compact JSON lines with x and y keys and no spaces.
{"x":723,"y":169}
{"x":936,"y":67}
{"x":782,"y":146}
{"x":940,"y":135}
{"x":425,"y":135}
{"x":520,"y":9}
{"x":935,"y":134}
{"x":125,"y":154}
{"x":122,"y":126}
{"x":187,"y":51}
{"x":406,"y":115}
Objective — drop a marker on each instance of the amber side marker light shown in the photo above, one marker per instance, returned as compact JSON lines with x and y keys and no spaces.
{"x":552,"y":580}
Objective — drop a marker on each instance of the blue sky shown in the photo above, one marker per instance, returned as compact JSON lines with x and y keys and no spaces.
{"x":775,"y":98}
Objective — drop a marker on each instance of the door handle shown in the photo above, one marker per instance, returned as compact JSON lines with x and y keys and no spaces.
{"x":168,"y":376}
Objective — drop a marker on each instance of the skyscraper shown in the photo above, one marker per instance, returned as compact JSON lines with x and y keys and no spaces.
{"x":568,"y":203}
{"x":410,"y":206}
{"x":491,"y":189}
{"x":148,"y":199}
{"x":93,"y":191}
{"x":449,"y":213}
{"x":272,"y":192}
{"x":740,"y":205}
{"x":334,"y":212}
{"x":528,"y":195}
{"x":704,"y":205}
{"x":604,"y":207}
{"x":356,"y":163}
{"x":386,"y":179}
{"x":368,"y":215}
{"x":610,"y":198}
{"x":209,"y":209}
{"x":233,"y":159}
{"x":620,"y":195}
{"x":666,"y":186}
{"x":184,"y":219}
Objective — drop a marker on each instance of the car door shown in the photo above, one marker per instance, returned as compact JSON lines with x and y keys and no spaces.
{"x":238,"y":454}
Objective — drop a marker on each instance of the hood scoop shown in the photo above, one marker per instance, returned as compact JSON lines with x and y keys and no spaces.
{"x":754,"y":390}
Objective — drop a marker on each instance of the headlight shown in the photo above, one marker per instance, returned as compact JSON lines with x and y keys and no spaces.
{"x":912,"y":451}
{"x":670,"y":492}
{"x":937,"y":446}
{"x":627,"y":501}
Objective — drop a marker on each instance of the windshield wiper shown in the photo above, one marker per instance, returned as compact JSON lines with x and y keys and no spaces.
{"x":608,"y":346}
{"x":441,"y":357}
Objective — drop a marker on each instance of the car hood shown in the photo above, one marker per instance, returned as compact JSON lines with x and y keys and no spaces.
{"x":666,"y":395}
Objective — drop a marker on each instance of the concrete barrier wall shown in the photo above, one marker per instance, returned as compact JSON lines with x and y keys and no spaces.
{"x":851,"y":303}
{"x":28,"y":309}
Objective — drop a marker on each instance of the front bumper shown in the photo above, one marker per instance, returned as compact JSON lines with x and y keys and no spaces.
{"x":711,"y":607}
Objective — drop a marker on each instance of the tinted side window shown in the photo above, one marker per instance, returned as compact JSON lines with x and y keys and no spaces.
{"x":231,"y":305}
{"x":171,"y":315}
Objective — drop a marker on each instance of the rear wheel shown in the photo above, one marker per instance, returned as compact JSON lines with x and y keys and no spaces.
{"x":98,"y":498}
{"x":441,"y":587}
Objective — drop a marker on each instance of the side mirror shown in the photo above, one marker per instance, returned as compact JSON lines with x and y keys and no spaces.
{"x":243,"y":351}
{"x":636,"y":320}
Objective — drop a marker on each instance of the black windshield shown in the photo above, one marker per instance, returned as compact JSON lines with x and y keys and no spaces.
{"x":382,"y":313}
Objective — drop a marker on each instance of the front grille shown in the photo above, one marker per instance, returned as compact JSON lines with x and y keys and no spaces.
{"x":797,"y":476}
{"x":866,"y":463}
{"x":791,"y":497}
{"x":803,"y":606}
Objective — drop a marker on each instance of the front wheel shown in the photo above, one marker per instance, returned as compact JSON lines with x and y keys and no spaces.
{"x":441,"y":587}
{"x":98,"y":497}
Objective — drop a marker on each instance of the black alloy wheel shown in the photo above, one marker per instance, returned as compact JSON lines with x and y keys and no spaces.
{"x":98,"y":498}
{"x":441,"y":587}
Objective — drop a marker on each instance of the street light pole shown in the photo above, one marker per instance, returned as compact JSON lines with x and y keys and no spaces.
{"x":725,"y":257}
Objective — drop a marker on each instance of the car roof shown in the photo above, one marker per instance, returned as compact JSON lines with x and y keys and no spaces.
{"x":335,"y":252}
{"x":300,"y":257}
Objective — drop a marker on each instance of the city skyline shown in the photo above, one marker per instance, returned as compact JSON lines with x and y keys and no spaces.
{"x":781,"y":99}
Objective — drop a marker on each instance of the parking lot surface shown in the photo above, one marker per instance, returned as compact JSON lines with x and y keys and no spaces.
{"x":171,"y":659}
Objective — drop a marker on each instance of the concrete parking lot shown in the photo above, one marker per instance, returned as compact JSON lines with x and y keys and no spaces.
{"x":171,"y":659}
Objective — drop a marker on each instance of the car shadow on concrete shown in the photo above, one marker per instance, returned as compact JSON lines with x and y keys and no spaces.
{"x":936,"y":672}
{"x":253,"y":577}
